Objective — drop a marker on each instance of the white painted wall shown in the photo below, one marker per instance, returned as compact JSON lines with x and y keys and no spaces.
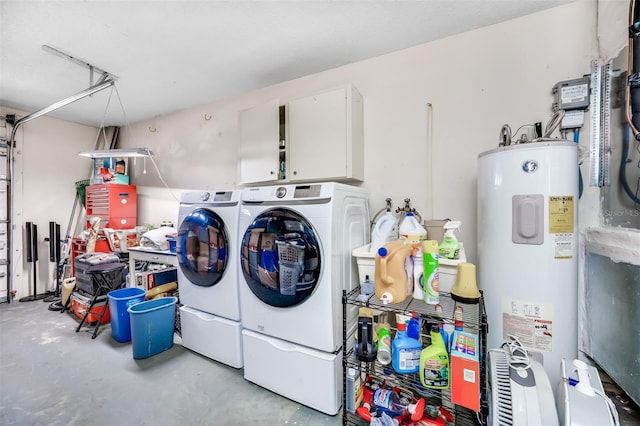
{"x":476,"y":82}
{"x":45,"y":169}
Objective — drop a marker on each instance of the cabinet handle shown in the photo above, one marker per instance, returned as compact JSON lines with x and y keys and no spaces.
{"x":295,"y":173}
{"x":155,"y":257}
{"x":272,"y":172}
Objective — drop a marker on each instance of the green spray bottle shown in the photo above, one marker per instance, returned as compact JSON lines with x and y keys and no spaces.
{"x":434,"y":362}
{"x":450,"y":246}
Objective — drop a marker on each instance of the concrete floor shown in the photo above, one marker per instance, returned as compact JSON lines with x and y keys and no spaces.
{"x":49,"y":374}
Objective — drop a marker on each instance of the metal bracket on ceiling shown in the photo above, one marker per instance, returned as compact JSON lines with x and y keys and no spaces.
{"x":92,"y":68}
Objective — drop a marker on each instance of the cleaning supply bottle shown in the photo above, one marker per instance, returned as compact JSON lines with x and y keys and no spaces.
{"x":411,"y":231}
{"x":413,"y":326}
{"x":431,"y":280}
{"x":385,"y":230}
{"x":394,"y":273}
{"x":434,"y":362}
{"x":366,"y":287}
{"x":387,"y":401}
{"x":418,"y":271}
{"x":384,"y":344}
{"x":405,"y":352}
{"x":450,"y":246}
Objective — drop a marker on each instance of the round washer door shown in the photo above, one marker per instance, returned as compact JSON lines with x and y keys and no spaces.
{"x":202,"y":247}
{"x":280,"y":257}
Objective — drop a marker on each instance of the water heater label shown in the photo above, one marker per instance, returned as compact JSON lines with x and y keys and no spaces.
{"x":563,"y":246}
{"x":561,"y":214}
{"x":531,"y":323}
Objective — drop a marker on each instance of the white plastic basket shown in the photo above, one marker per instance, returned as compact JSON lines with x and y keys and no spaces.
{"x":366,"y":262}
{"x":290,"y":252}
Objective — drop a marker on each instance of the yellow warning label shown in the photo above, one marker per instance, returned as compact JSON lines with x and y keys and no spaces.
{"x":561,"y":214}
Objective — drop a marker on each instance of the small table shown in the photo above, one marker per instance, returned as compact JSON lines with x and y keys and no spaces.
{"x":147,"y":254}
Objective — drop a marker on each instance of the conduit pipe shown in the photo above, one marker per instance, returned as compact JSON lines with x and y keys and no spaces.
{"x":104,"y":82}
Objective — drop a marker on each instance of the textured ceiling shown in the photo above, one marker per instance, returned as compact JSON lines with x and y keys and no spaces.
{"x":171,"y":55}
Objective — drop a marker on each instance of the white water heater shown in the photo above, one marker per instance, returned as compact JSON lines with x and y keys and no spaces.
{"x":528,"y":247}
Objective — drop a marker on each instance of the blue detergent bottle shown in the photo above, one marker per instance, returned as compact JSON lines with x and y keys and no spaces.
{"x":413,"y":326}
{"x":405,"y":352}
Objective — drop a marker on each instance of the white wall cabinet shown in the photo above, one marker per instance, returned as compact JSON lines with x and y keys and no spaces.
{"x":323,"y":139}
{"x":259,"y":141}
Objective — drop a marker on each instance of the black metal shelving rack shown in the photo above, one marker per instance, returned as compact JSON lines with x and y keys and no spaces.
{"x":475,"y":321}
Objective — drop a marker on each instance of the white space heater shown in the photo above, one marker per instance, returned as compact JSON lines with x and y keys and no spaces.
{"x":519,"y":392}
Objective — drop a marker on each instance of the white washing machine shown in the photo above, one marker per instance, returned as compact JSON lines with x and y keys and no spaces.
{"x":296,"y":243}
{"x":207,"y":250}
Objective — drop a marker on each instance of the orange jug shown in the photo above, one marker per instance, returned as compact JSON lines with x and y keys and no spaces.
{"x":394,"y":272}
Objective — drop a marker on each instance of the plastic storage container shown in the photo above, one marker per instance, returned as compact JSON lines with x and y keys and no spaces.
{"x":366,"y":261}
{"x":80,"y":305}
{"x":152,"y":325}
{"x":119,"y":303}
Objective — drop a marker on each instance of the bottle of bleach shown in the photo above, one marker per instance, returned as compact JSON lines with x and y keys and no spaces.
{"x":385,"y":230}
{"x":411,"y":231}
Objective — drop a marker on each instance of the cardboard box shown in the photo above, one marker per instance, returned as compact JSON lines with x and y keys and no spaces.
{"x":150,"y":279}
{"x":465,"y":370}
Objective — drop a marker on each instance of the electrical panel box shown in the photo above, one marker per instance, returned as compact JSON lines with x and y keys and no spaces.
{"x":572,"y":94}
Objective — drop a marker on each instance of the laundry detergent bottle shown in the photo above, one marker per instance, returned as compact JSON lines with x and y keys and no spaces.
{"x":434,"y":362}
{"x":385,"y":230}
{"x":411,"y":231}
{"x":405,"y":352}
{"x":394,"y":272}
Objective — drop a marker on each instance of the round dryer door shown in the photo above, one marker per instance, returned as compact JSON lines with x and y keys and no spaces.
{"x":202,"y":247}
{"x":280,"y":258}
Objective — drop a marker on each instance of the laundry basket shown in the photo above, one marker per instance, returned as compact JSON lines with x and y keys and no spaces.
{"x":291,"y":261}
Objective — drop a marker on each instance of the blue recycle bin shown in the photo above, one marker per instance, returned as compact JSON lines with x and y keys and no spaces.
{"x":152,"y":325}
{"x":119,"y":303}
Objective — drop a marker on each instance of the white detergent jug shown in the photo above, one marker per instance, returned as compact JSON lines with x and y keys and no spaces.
{"x":411,"y":231}
{"x":385,"y":230}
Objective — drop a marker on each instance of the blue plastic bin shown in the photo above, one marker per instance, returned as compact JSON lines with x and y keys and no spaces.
{"x":119,"y":302}
{"x":152,"y":325}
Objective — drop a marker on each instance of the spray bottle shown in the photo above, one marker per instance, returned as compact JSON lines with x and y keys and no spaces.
{"x":450,"y":246}
{"x":434,"y":362}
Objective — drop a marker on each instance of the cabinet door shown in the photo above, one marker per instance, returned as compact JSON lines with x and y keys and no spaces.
{"x":318,"y":136}
{"x":259,"y":138}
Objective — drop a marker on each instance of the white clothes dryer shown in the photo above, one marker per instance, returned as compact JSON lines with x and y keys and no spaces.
{"x":207,"y":250}
{"x":296,"y":243}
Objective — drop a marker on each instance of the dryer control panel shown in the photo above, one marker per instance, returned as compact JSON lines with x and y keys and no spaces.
{"x":306,"y":191}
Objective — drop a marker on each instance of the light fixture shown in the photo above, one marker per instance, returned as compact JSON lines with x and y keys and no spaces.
{"x":122,"y":153}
